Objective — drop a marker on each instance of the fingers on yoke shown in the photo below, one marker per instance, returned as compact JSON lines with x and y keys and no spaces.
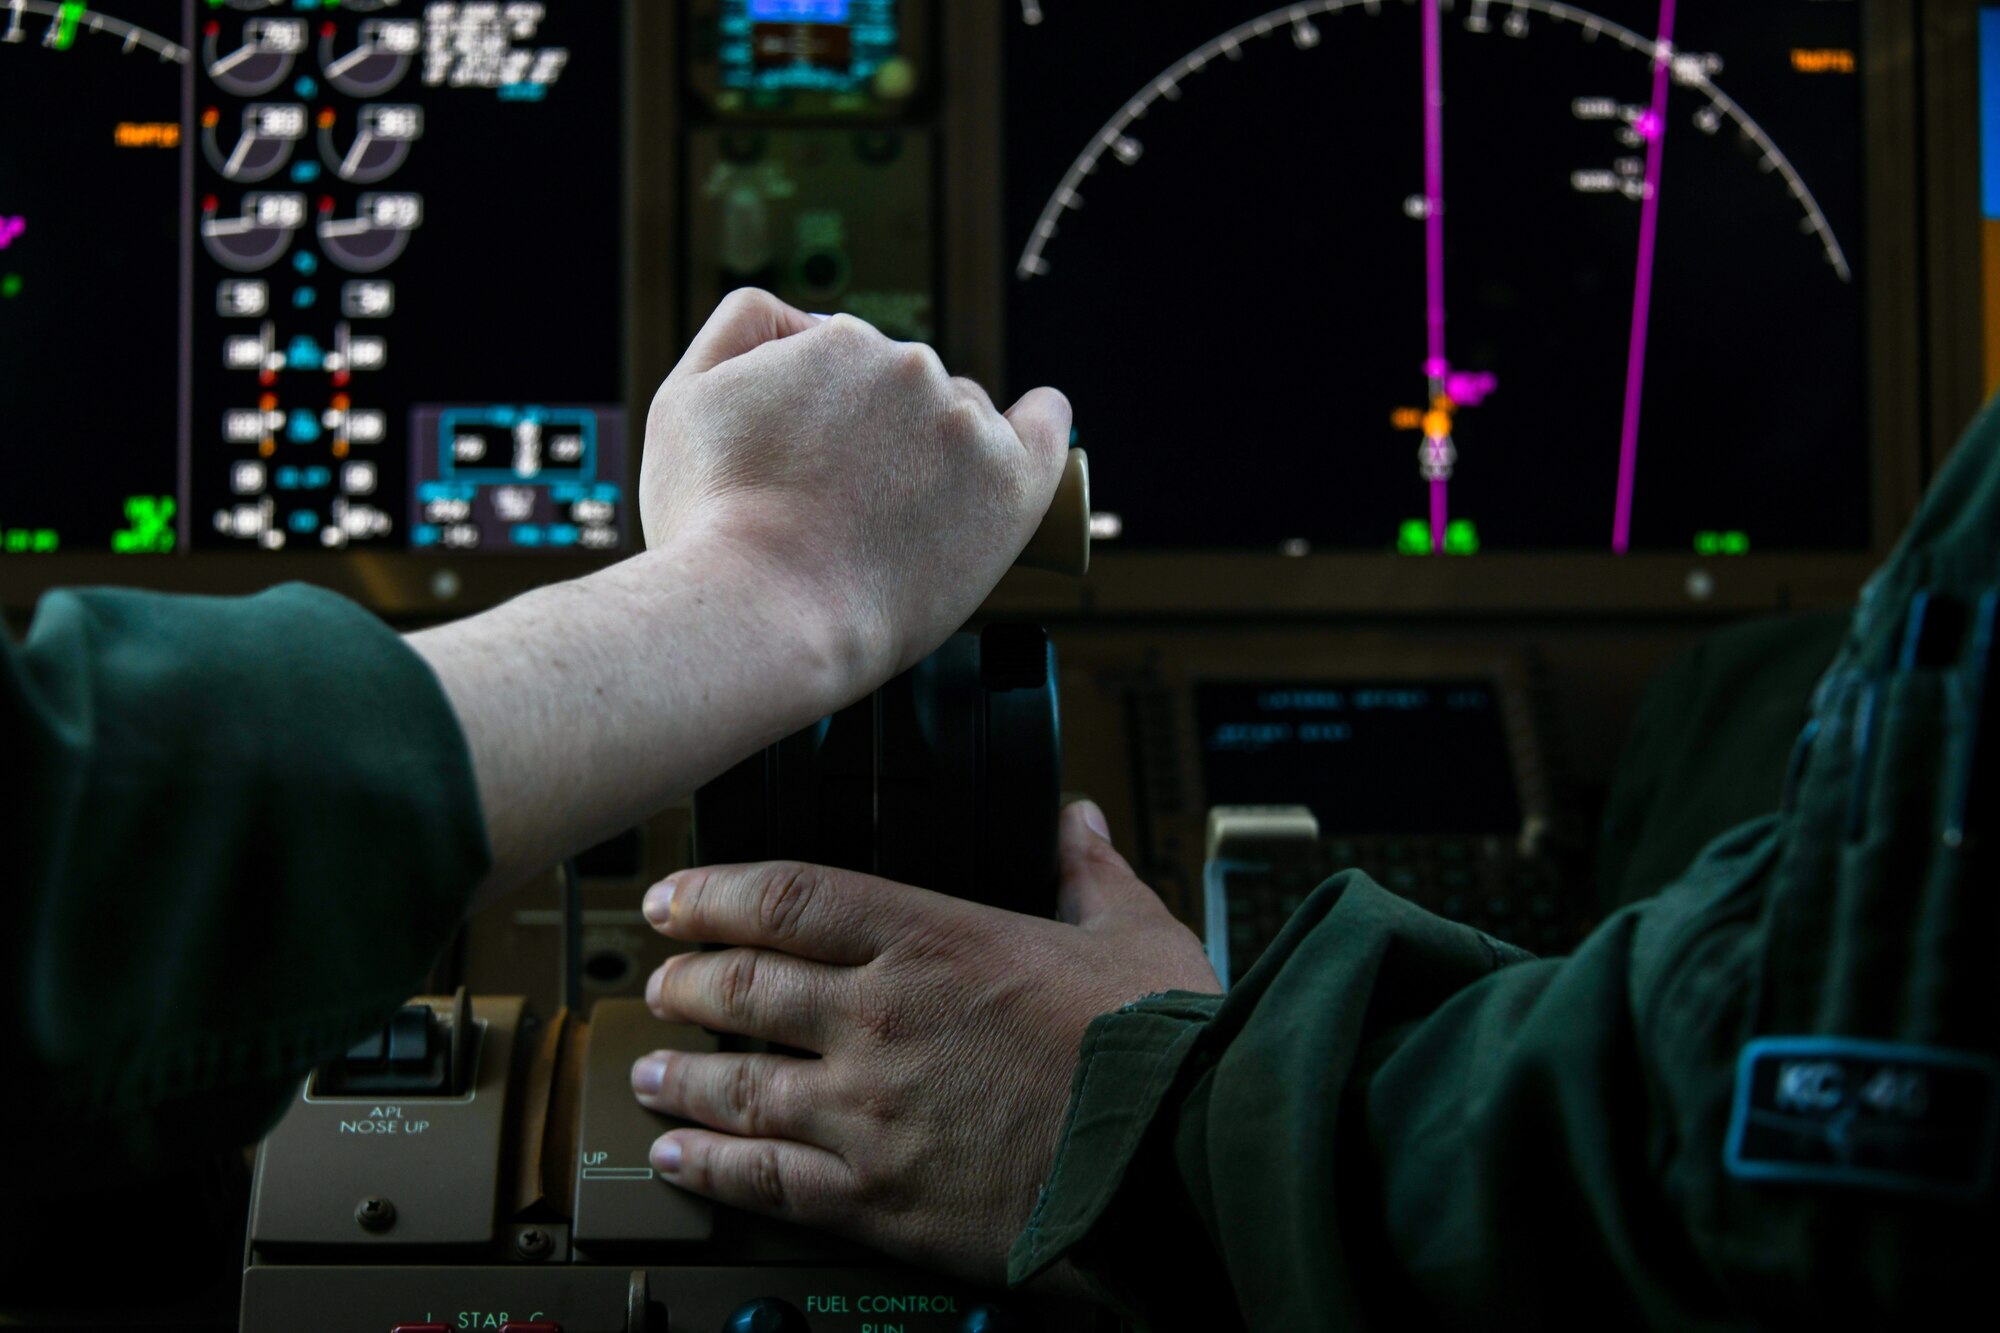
{"x":746,"y":303}
{"x":921,"y":362}
{"x":1096,"y":880}
{"x":854,"y":333}
{"x":760,"y":1096}
{"x":975,"y":393}
{"x":754,"y":992}
{"x":1081,"y":845}
{"x":768,"y":1176}
{"x":746,"y":318}
{"x":1042,"y":419}
{"x":807,"y":910}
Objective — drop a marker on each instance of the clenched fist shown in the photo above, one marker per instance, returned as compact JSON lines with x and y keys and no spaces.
{"x":887,"y":494}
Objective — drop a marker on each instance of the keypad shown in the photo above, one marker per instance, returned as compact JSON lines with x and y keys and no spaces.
{"x":1484,"y":882}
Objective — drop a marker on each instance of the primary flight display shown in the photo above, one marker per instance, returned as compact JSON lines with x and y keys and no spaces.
{"x":1442,"y":277}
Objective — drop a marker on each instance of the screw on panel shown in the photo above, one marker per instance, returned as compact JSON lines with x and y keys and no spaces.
{"x":375,"y":1214}
{"x":533,"y":1243}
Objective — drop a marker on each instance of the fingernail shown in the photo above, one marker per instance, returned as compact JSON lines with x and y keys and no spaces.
{"x":659,"y":903}
{"x":1093,"y":819}
{"x":648,"y":1073}
{"x":667,"y":1155}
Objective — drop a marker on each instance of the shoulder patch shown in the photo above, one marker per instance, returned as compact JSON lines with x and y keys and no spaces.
{"x":1868,"y":1114}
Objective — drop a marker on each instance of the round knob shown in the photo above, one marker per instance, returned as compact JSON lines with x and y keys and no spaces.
{"x":766,"y":1314}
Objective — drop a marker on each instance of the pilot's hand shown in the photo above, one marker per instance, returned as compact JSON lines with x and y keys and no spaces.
{"x":949,"y":1033}
{"x":887,"y":494}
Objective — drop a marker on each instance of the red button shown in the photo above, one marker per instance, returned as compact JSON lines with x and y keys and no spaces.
{"x":531,"y":1326}
{"x":420,"y":1328}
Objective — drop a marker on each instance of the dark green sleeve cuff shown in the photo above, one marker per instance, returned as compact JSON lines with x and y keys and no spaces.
{"x":1130,"y":1060}
{"x":1204,"y":1127}
{"x":252,"y":823}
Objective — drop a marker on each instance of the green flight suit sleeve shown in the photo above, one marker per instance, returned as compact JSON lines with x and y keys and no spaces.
{"x":1767,"y":1097}
{"x":1731,"y":705}
{"x":241,"y":829}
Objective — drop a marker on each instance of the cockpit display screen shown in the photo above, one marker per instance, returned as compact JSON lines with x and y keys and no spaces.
{"x":1367,"y":756}
{"x":1447,"y":276}
{"x":282,"y":276}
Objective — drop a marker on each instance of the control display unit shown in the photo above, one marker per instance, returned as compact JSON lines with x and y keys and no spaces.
{"x":285,"y":276}
{"x":1344,"y":749}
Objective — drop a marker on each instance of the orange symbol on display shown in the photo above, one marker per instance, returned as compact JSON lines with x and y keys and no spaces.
{"x":1827,"y":60}
{"x":1437,"y":421}
{"x":146,"y":134}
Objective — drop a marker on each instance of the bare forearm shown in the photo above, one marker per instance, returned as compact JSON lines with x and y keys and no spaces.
{"x":823,"y":506}
{"x":590,"y":704}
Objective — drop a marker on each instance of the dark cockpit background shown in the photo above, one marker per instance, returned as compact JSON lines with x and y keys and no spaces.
{"x":1446,"y":369}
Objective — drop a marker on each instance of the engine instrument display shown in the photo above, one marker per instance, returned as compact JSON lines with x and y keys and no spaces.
{"x":285,"y":275}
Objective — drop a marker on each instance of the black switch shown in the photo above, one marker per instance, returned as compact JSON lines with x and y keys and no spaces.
{"x":409,"y":1035}
{"x":409,"y":1054}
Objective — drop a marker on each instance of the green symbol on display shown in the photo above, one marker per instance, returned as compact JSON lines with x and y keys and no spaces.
{"x":66,"y":20}
{"x":1722,"y":543}
{"x":149,"y":530}
{"x":29,"y":541}
{"x":10,"y":286}
{"x":1461,"y":537}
